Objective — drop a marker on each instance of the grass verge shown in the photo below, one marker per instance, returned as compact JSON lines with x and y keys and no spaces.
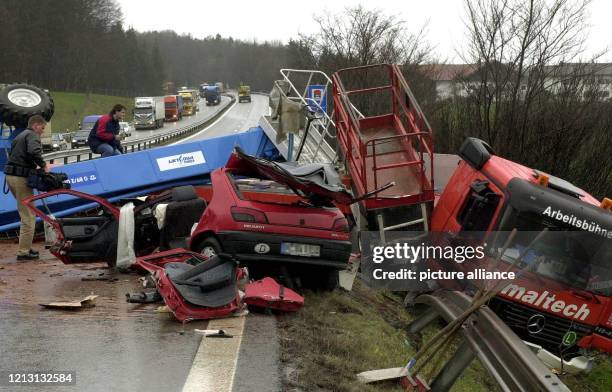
{"x":70,"y":108}
{"x":337,"y":335}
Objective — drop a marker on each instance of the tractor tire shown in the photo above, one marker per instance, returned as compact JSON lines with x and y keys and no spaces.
{"x":19,"y":102}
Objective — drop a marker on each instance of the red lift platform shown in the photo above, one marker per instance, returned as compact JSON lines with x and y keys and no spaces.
{"x":385,"y":138}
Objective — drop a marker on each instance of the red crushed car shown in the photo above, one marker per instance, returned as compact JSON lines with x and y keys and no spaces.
{"x":269,"y":214}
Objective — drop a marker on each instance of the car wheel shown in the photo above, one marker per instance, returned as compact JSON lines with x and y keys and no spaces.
{"x":331,"y":280}
{"x":209,"y":247}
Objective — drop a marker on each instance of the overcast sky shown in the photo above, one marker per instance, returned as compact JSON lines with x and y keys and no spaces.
{"x":281,"y":20}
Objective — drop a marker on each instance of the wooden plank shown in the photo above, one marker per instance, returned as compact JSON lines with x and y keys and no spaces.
{"x":86,"y":302}
{"x":382,"y":375}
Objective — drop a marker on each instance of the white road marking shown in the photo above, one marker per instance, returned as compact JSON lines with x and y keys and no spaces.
{"x":214,"y":365}
{"x":205,"y":129}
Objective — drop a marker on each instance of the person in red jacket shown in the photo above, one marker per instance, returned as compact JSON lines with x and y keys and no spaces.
{"x":104,"y":138}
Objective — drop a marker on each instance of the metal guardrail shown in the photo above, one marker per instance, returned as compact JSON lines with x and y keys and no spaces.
{"x":509,"y":361}
{"x":85,"y":153}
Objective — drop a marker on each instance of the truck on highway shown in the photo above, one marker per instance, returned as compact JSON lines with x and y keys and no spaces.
{"x":244,"y":93}
{"x":202,"y":89}
{"x":174,"y":107}
{"x":149,"y":112}
{"x":212,"y":95}
{"x":190,"y":101}
{"x":45,"y":139}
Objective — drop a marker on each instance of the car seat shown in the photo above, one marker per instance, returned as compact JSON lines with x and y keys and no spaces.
{"x":182,"y":213}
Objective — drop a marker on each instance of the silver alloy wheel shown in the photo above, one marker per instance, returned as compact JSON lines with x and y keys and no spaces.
{"x":24,"y":97}
{"x":208,"y":251}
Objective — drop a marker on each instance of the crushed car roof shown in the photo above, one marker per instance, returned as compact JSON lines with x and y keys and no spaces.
{"x":318,"y":182}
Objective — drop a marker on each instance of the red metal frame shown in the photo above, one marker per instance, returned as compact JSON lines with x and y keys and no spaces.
{"x":410,"y":127}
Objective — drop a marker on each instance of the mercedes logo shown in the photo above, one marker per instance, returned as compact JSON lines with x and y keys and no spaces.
{"x":536,"y":323}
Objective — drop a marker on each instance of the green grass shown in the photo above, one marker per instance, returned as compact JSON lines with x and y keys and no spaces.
{"x":70,"y":108}
{"x":337,"y":335}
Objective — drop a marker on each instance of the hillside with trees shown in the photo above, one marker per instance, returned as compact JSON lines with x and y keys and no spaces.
{"x":517,"y":46}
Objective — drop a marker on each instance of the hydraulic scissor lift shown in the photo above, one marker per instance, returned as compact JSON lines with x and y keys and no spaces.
{"x":384,"y":138}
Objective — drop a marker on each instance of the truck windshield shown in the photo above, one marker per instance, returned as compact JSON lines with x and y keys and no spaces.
{"x":187,"y":99}
{"x":577,"y":258}
{"x":170,"y":104}
{"x":142,"y":110}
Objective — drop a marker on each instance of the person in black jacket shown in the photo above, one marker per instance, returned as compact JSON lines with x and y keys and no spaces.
{"x":24,"y":159}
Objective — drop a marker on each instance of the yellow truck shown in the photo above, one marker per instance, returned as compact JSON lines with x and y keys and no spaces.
{"x":244,"y":93}
{"x":190,"y":101}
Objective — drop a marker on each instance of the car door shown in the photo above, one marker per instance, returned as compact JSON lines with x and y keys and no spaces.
{"x":89,"y":236}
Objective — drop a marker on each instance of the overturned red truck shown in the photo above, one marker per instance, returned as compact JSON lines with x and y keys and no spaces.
{"x":563,"y":307}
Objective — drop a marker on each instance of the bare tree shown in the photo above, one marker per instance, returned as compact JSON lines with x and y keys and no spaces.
{"x":533,"y":97}
{"x":360,"y":36}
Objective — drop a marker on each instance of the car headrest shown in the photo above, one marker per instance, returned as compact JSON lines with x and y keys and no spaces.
{"x":184,"y":193}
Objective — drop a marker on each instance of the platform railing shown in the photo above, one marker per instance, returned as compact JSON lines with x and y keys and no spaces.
{"x":408,"y":119}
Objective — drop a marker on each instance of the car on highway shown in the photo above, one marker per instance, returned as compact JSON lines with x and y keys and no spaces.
{"x":79,"y":139}
{"x":58,"y":143}
{"x":125,"y":128}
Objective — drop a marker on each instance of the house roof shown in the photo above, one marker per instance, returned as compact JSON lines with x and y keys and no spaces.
{"x":599,"y":69}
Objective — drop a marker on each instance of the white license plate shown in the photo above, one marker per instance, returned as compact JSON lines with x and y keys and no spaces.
{"x":293,"y":249}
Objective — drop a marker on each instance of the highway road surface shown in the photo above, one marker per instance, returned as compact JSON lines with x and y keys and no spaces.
{"x":116,"y":346}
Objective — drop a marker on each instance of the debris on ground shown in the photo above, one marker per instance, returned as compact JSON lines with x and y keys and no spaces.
{"x":143,"y":297}
{"x":87,"y":302}
{"x":163,"y":309}
{"x":268,"y":294}
{"x":100,"y":279}
{"x":213,"y":333}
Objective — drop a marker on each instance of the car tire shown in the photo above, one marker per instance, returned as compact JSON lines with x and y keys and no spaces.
{"x":19,"y":102}
{"x":209,"y":247}
{"x":331,"y":280}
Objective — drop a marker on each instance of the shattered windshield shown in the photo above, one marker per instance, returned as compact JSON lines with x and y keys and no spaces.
{"x":574,"y":257}
{"x":264,"y":191}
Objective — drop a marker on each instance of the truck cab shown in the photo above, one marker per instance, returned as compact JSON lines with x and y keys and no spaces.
{"x":244,"y":93}
{"x":149,"y":112}
{"x":174,"y":107}
{"x":561,"y":305}
{"x":212,"y":95}
{"x":190,"y":103}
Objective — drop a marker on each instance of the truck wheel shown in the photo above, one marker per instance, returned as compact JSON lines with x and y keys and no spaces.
{"x":18,"y":102}
{"x":209,"y":247}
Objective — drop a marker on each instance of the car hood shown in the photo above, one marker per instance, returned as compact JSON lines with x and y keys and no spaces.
{"x":320,"y":183}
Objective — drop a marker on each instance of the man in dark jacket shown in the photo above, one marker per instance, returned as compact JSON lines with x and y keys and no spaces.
{"x":104,"y":138}
{"x":25,"y":157}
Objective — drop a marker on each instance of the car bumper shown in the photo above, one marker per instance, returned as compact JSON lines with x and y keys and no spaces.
{"x":334,"y":254}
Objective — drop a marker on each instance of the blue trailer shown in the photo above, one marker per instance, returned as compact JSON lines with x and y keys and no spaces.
{"x":139,"y":173}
